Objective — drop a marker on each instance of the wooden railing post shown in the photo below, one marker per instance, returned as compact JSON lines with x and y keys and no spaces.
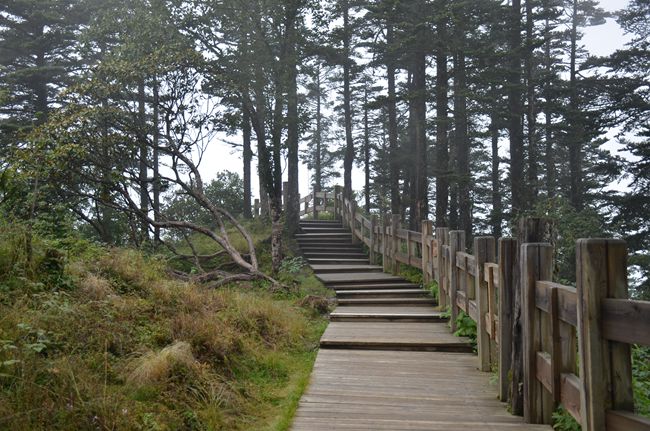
{"x":605,"y":367}
{"x":394,"y":241}
{"x":442,"y":277}
{"x":256,"y":208}
{"x":456,"y":244}
{"x":507,"y":262}
{"x":314,"y":201}
{"x":373,"y":239}
{"x":483,"y":252}
{"x":427,"y":231}
{"x":529,"y":230}
{"x":536,"y":264}
{"x":353,"y":220}
{"x":337,"y":203}
{"x":385,"y":244}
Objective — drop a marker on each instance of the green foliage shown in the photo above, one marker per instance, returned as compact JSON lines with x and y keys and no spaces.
{"x":292,"y":265}
{"x":466,"y":327}
{"x":412,"y":274}
{"x":225,"y":191}
{"x":563,"y":421}
{"x":568,"y":226}
{"x":641,"y":379}
{"x":434,"y":289}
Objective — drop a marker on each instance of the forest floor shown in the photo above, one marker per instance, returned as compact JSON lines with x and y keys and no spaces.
{"x":98,"y":338}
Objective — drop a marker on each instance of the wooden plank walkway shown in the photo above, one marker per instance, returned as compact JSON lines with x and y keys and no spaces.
{"x":387,"y":363}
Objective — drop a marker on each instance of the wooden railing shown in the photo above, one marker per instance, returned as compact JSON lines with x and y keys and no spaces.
{"x":576,"y":340}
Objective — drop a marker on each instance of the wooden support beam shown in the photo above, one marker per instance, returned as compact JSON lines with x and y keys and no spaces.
{"x":337,"y":203}
{"x":427,"y":231}
{"x":536,"y":263}
{"x":456,"y":244}
{"x":373,"y":239}
{"x":385,"y":244}
{"x":442,"y":277}
{"x":394,"y":226}
{"x":529,"y":230}
{"x":605,"y":366}
{"x":353,"y":221}
{"x":507,"y":260}
{"x":484,"y":249}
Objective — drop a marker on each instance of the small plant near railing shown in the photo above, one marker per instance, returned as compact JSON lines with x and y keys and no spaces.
{"x":466,"y":327}
{"x":434,"y":289}
{"x":563,"y":421}
{"x":412,"y":274}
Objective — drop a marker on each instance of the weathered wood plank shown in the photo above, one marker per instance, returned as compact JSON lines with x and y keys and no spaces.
{"x":626,"y":321}
{"x":380,"y":390}
{"x":507,"y":262}
{"x":625,"y":421}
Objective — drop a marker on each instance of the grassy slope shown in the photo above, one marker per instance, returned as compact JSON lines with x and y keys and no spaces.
{"x":109,"y":342}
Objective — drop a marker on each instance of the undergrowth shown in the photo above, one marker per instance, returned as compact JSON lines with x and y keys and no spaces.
{"x":96,"y":338}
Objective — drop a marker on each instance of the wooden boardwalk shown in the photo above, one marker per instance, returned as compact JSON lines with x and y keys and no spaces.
{"x":387,"y":359}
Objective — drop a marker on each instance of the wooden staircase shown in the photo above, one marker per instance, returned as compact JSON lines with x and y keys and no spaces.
{"x":388,"y":360}
{"x":375,"y":310}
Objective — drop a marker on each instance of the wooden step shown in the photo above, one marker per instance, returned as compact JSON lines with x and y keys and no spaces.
{"x":318,"y":241}
{"x":414,"y":336}
{"x":338,"y":261}
{"x":324,"y":229}
{"x":387,"y":302}
{"x":359,"y":278}
{"x":334,"y":255}
{"x":404,"y":313}
{"x":370,"y":286}
{"x":330,"y":246}
{"x":383,"y":293}
{"x":310,"y":222}
{"x":323,"y":235}
{"x":326,"y":269}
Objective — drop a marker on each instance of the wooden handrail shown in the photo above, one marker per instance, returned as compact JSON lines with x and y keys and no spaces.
{"x":597,"y":315}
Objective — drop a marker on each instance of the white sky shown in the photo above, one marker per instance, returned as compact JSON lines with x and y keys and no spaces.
{"x":601,"y":40}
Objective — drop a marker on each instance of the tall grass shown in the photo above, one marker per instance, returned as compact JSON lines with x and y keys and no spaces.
{"x":110,"y":342}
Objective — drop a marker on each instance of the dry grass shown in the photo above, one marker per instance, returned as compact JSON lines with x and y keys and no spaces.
{"x":156,"y":367}
{"x":95,"y":288}
{"x":123,"y":347}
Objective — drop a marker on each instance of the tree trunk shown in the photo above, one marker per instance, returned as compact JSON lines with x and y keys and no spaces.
{"x":517,"y":180}
{"x":275,"y":189}
{"x":318,"y":168}
{"x":347,"y":110}
{"x":393,"y":149}
{"x":531,"y":112}
{"x":366,"y":149}
{"x":409,"y":155}
{"x":549,"y":158}
{"x":142,"y":179}
{"x":293,"y":212}
{"x":421,"y":185}
{"x":442,"y":125}
{"x":156,"y":158}
{"x":497,"y":206}
{"x":575,"y":133}
{"x":462,"y":143}
{"x":248,"y":156}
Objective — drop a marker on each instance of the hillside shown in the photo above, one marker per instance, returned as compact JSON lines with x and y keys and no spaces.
{"x":97,"y":338}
